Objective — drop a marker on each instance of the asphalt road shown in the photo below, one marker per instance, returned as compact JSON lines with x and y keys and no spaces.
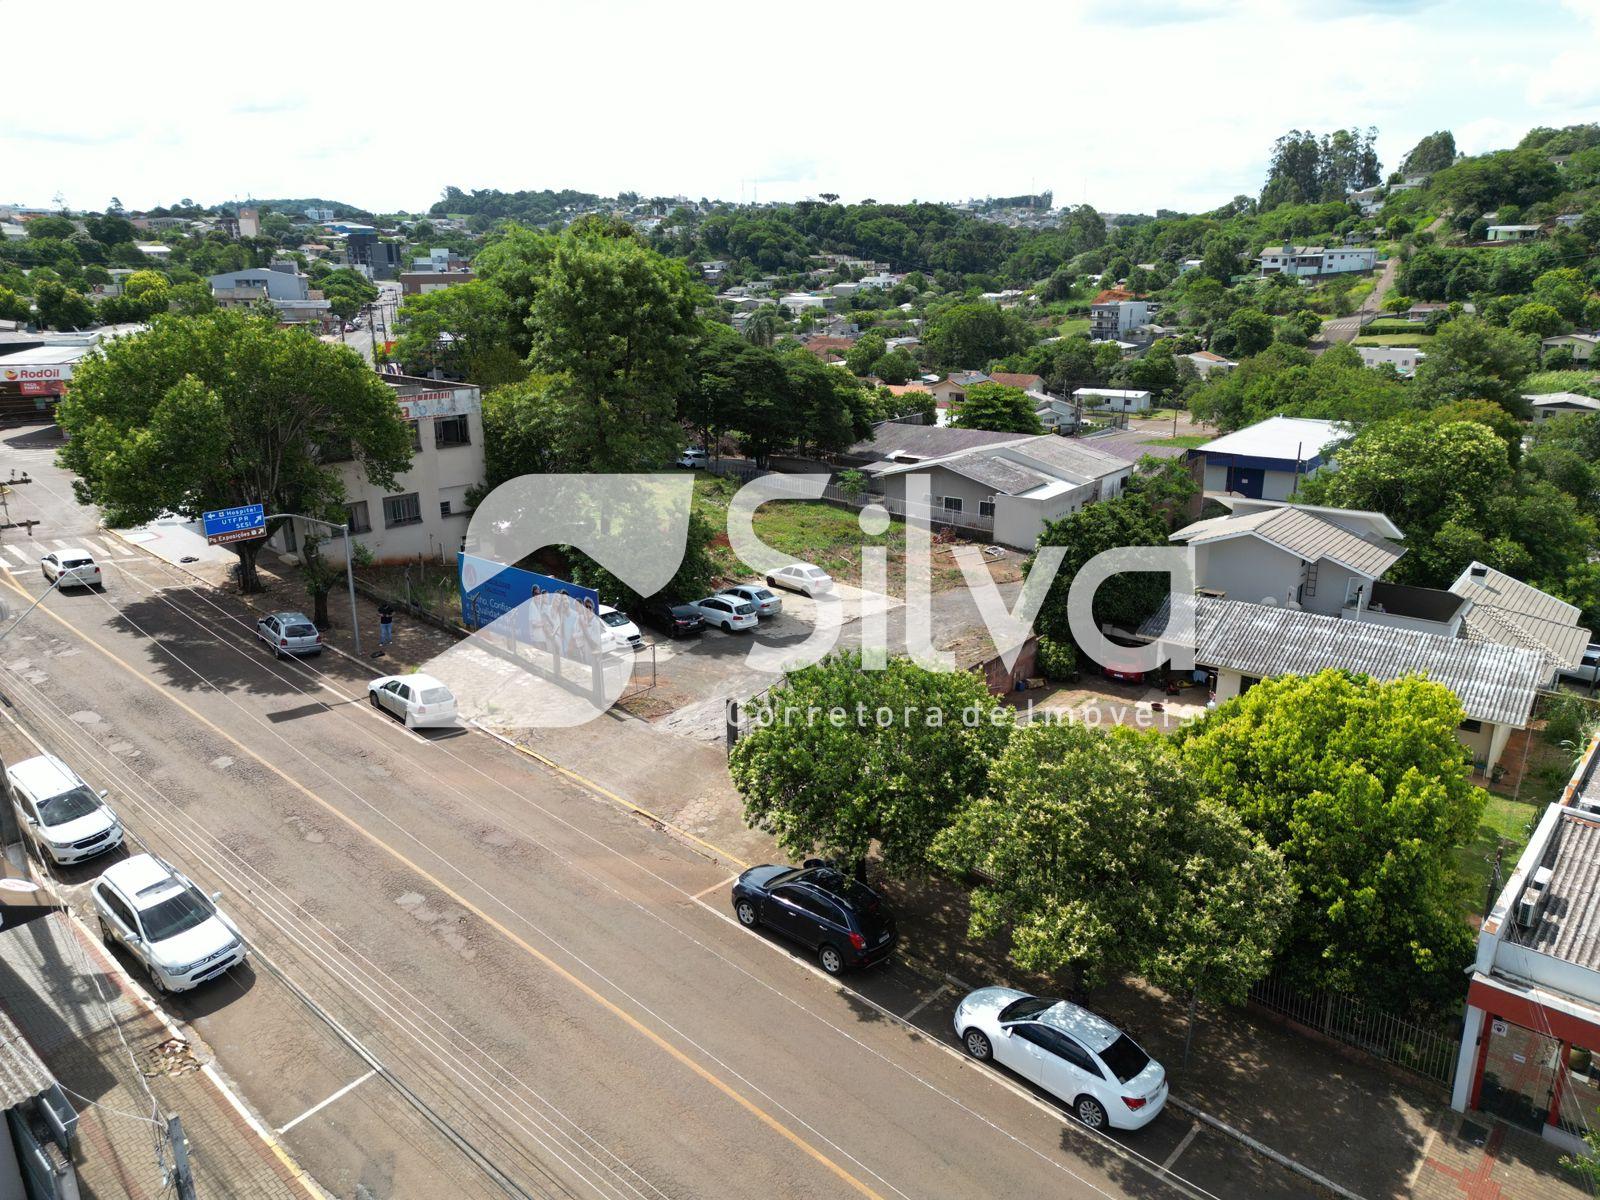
{"x":525,"y":989}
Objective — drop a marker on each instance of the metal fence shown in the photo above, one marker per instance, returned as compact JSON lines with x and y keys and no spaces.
{"x":1426,"y":1050}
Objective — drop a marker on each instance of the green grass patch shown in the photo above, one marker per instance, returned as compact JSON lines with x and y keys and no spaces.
{"x":1584,"y":382}
{"x":1187,"y":440}
{"x":1504,"y":819}
{"x":1073,"y":325}
{"x":1420,"y":340}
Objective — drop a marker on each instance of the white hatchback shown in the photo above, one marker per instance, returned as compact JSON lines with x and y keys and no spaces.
{"x":620,"y":631}
{"x":415,"y":699}
{"x":728,"y":613}
{"x":1080,"y":1058}
{"x":803,"y":578}
{"x":163,"y":920}
{"x":71,"y":568}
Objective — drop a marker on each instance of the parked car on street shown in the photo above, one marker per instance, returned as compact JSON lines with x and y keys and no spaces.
{"x":620,"y":632}
{"x":289,"y":633}
{"x":822,"y":908}
{"x":1080,"y":1058}
{"x":71,"y":568}
{"x":1588,"y":670}
{"x":59,"y":813}
{"x":177,"y":933}
{"x":767,"y":602}
{"x":415,"y":699}
{"x":727,"y":613}
{"x":674,"y":620}
{"x":693,"y":458}
{"x":801,"y":577}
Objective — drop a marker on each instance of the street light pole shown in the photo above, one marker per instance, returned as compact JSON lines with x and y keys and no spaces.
{"x":349,"y":567}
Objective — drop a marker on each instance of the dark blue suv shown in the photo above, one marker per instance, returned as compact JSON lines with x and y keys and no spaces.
{"x":822,"y":908}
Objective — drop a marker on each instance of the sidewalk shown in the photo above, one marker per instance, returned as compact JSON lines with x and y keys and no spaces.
{"x":104,"y":1045}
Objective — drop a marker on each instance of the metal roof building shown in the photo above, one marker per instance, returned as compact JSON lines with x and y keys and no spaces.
{"x":1513,"y":613}
{"x":1302,"y":533}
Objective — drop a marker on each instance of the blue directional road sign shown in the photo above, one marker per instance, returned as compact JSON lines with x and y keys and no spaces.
{"x":240,"y":524}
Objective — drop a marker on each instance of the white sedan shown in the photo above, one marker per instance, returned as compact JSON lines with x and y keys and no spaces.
{"x":1078,"y":1057}
{"x":801,"y":577}
{"x":415,"y":699}
{"x":71,"y":568}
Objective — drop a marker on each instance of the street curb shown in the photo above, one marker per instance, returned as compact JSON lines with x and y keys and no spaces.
{"x":113,"y":967}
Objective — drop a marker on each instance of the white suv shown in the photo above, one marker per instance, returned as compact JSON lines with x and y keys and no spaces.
{"x":165,"y":922}
{"x":58,"y":813}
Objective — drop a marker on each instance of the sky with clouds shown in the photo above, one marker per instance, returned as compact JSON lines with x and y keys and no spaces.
{"x":1129,"y":107}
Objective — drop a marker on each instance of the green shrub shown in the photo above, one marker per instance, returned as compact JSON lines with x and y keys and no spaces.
{"x":1056,"y":660}
{"x":1569,"y":719}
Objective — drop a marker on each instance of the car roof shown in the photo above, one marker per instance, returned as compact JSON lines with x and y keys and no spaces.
{"x":44,"y":775}
{"x":1093,"y":1031}
{"x":72,"y":552}
{"x":134,"y":875}
{"x":603,"y":609}
{"x":291,"y":615}
{"x":422,"y":680}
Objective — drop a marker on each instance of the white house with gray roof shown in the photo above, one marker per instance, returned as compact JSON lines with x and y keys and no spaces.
{"x":1556,"y":404}
{"x":1513,"y":613}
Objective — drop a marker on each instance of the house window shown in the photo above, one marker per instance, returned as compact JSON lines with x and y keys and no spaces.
{"x":444,"y":508}
{"x":357,"y":518}
{"x":402,"y":510}
{"x":986,"y":507}
{"x":416,"y":434}
{"x":451,"y":431}
{"x":1471,"y":726}
{"x":952,"y":504}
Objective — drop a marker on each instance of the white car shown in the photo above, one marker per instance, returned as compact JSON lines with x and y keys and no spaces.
{"x":620,"y":631}
{"x":1080,"y":1058}
{"x":71,"y":568}
{"x":693,"y":458}
{"x":728,"y":613}
{"x":801,"y":577}
{"x":167,"y":923}
{"x":1588,"y":670}
{"x":57,"y":811}
{"x":415,"y":699}
{"x":767,"y":602}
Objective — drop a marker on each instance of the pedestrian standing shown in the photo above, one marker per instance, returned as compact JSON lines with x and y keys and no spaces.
{"x":385,"y":625}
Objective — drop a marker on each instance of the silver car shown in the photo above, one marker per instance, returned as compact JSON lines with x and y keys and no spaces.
{"x":289,"y":633}
{"x":767,"y":602}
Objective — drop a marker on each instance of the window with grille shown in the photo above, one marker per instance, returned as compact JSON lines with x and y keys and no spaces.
{"x":451,"y":431}
{"x":402,"y":510}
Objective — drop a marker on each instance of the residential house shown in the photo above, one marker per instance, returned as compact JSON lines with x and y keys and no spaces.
{"x":154,"y":250}
{"x":1569,"y":220}
{"x":1421,"y":312}
{"x":950,"y":391}
{"x":1026,"y":381}
{"x":825,"y":347}
{"x":1054,"y":413}
{"x":1512,"y":613}
{"x":1513,"y":233}
{"x":1555,"y":404}
{"x":1367,"y":200}
{"x":1308,"y":261}
{"x":1240,"y":643}
{"x":880,"y":280}
{"x":1582,"y":345}
{"x":417,"y":283}
{"x":1115,"y":313}
{"x":1120,"y":400}
{"x":1205,"y":362}
{"x":1530,"y":1040}
{"x":901,"y":343}
{"x":1403,"y":359}
{"x":1267,"y":460}
{"x":797,"y":302}
{"x":287,"y":291}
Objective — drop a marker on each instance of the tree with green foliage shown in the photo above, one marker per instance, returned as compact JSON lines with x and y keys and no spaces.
{"x":862,"y":358}
{"x":896,"y":367}
{"x":841,"y":760}
{"x":61,"y":307}
{"x":59,"y":228}
{"x":1250,"y":330}
{"x":225,"y":409}
{"x":1125,"y":599}
{"x":970,"y":336}
{"x":347,"y":291}
{"x":1289,"y":381}
{"x":14,"y":307}
{"x":465,"y":332}
{"x":1433,"y":153}
{"x":1538,"y":320}
{"x":1469,"y":359}
{"x":997,"y":407}
{"x":1364,"y":789}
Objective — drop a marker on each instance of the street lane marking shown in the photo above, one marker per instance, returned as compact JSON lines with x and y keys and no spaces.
{"x":23,"y":558}
{"x":928,"y":999}
{"x":344,"y":1091}
{"x":707,"y":891}
{"x":498,"y":926}
{"x":1181,"y":1147}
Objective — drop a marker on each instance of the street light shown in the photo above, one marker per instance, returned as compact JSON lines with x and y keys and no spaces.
{"x":349,"y":567}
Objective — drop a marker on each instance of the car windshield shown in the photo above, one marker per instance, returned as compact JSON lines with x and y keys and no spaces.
{"x":614,"y":618}
{"x":68,"y":806}
{"x":301,"y":631}
{"x":1125,"y":1058}
{"x":759,"y":593}
{"x":436,"y":695}
{"x":178,"y":913}
{"x":1028,"y":1006}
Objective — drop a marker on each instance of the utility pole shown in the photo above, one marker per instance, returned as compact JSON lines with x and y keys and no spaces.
{"x":5,"y":503}
{"x":182,"y":1176}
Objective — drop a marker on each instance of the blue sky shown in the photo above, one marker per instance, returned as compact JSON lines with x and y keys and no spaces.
{"x":1105,"y":103}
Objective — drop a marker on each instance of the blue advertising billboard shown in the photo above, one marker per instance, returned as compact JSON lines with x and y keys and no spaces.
{"x":239,"y":524}
{"x":490,"y":590}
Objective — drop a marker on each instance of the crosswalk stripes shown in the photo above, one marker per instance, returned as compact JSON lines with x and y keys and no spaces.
{"x":29,"y":553}
{"x":21,"y":557}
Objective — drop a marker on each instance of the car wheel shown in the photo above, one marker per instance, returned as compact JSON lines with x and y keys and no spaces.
{"x":832,"y":961}
{"x":771,"y":582}
{"x":977,"y":1045}
{"x":727,"y":627}
{"x":373,"y":697}
{"x":105,"y":933}
{"x":155,"y":979}
{"x":1090,"y":1111}
{"x":746,"y":912}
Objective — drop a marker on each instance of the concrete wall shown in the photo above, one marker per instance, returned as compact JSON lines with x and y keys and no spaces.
{"x":1246,"y":569}
{"x":943,"y":483}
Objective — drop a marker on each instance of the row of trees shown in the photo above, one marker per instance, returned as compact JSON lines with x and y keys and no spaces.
{"x":1307,"y":826}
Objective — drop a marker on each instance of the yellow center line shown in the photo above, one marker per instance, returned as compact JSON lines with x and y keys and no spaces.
{"x":499,"y":927}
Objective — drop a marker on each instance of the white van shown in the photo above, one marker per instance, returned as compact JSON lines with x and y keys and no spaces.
{"x":58,"y":812}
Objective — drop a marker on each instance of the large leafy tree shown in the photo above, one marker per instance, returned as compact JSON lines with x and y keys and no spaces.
{"x":997,"y":407}
{"x":1125,"y":599}
{"x":467,"y":331}
{"x":1364,"y":789}
{"x":1471,"y":359}
{"x":1096,"y":853}
{"x":224,"y":409}
{"x":843,"y":759}
{"x":972,"y":335}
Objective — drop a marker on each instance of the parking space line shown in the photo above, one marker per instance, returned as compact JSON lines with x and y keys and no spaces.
{"x":707,"y":891}
{"x":927,"y":1000}
{"x":316,"y":1108}
{"x":1181,"y":1147}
